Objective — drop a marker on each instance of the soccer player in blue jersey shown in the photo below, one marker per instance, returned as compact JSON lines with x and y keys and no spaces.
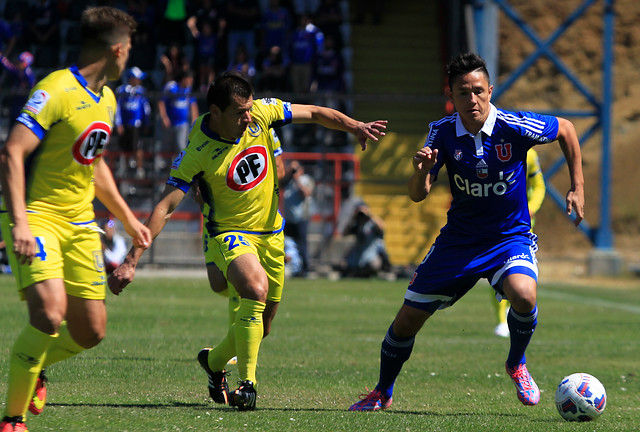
{"x":488,"y":230}
{"x":231,"y":154}
{"x":51,"y":170}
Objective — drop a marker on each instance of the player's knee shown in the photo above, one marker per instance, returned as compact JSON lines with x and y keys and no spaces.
{"x":91,"y":338}
{"x":47,"y":321}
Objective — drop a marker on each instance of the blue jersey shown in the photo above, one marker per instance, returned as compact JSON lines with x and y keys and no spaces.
{"x":133,"y":106}
{"x":178,"y":102}
{"x":488,"y":172}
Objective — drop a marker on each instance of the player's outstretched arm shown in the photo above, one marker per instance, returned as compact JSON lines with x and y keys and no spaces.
{"x":108,"y":194}
{"x":20,"y":144}
{"x":571,"y":148}
{"x":421,"y":181}
{"x":162,"y":212}
{"x":334,"y":119}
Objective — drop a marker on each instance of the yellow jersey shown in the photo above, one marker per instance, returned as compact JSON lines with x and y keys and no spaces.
{"x":238,"y":178}
{"x":536,"y":189}
{"x":74,"y":125}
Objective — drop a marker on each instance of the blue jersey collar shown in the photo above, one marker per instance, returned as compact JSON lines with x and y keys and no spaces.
{"x":76,"y":73}
{"x":204,"y":127}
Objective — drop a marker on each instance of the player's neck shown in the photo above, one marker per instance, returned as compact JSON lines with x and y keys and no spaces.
{"x":94,"y":72}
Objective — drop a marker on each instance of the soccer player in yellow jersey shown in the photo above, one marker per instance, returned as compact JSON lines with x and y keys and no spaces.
{"x":536,"y":191}
{"x":230,"y":152}
{"x":51,"y":170}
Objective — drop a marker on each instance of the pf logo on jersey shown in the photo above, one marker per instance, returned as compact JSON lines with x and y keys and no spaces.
{"x":247,"y":169}
{"x":90,"y":143}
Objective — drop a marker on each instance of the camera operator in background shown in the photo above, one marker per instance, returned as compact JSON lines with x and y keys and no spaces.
{"x":368,"y":256}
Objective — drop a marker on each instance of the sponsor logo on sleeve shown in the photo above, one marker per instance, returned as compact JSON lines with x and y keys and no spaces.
{"x":37,"y":101}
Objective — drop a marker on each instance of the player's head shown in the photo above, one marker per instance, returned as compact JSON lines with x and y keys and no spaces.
{"x":226,"y":87}
{"x":107,"y":30}
{"x":230,"y":99}
{"x":470,"y":90}
{"x":465,"y":63}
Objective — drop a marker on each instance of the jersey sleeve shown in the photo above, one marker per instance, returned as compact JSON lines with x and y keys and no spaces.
{"x":271,"y":112}
{"x":183,"y":170}
{"x":537,"y":128}
{"x":433,"y":142}
{"x":44,"y":108}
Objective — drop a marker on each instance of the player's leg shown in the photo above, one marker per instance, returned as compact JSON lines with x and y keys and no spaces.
{"x":395,"y":351}
{"x":250,"y":280}
{"x":522,"y":319}
{"x":46,"y":302}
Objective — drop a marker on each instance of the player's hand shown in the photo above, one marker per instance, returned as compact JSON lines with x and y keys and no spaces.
{"x":121,"y":277}
{"x":24,"y":244}
{"x":575,"y":202}
{"x":424,"y":160}
{"x":371,"y":130}
{"x":140,"y":234}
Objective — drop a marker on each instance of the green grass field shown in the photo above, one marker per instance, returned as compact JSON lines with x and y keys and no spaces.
{"x":323,"y":351}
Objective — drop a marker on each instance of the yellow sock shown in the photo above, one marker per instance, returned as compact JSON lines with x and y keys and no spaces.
{"x":234,"y":305}
{"x":500,"y":308}
{"x":62,"y":348}
{"x":25,"y":364}
{"x":222,"y":353}
{"x":249,"y":330}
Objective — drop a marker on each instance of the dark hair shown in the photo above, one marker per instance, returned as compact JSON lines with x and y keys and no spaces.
{"x":465,"y":63}
{"x":225,"y":87}
{"x":104,"y":26}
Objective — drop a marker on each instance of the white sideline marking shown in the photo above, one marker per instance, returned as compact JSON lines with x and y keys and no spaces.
{"x":589,"y":301}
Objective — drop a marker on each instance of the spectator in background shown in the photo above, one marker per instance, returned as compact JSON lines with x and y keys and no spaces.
{"x":133,"y":118}
{"x":275,"y":71}
{"x":44,"y":30}
{"x":329,"y":18}
{"x":327,"y":81}
{"x":22,"y":79}
{"x":242,"y":64}
{"x":275,"y":28}
{"x":307,"y":41}
{"x":141,"y":54}
{"x":174,"y":63}
{"x":207,"y":28}
{"x":368,"y":256}
{"x":7,"y":37}
{"x":243,"y":17}
{"x":298,"y":202}
{"x":114,"y":246}
{"x":178,"y":109}
{"x":173,"y":29}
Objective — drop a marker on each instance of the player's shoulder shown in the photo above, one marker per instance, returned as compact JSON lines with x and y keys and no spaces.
{"x":55,"y":81}
{"x":519,"y":119}
{"x":443,"y":127}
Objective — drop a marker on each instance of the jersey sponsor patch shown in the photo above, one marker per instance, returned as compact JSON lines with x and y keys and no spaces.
{"x":37,"y":101}
{"x":248,"y":169}
{"x":91,"y":142}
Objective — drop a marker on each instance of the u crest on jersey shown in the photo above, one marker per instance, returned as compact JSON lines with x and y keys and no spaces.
{"x":503,"y":151}
{"x":248,"y":169}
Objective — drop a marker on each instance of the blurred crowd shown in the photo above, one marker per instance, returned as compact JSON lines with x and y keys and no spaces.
{"x":281,"y":45}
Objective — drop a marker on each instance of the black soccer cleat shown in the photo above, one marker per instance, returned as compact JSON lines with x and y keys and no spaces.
{"x":218,"y":386}
{"x":244,"y":397}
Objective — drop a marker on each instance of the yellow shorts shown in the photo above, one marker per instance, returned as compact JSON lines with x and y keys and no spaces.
{"x":268,"y":248}
{"x":72,"y":252}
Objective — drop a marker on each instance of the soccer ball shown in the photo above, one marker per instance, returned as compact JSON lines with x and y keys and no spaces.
{"x":580,"y":397}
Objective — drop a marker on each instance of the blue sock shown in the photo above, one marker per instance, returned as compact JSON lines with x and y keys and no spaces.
{"x":395,"y":351}
{"x":521,"y":328}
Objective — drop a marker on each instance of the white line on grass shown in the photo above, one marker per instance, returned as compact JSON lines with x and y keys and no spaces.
{"x":589,"y":301}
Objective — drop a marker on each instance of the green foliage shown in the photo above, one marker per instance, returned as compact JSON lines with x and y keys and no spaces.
{"x":322,"y":352}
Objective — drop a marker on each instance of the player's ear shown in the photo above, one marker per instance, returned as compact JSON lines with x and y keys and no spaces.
{"x":448,"y":93}
{"x":215,"y":111}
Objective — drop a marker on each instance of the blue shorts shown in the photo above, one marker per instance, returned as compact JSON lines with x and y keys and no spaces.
{"x":451,"y":268}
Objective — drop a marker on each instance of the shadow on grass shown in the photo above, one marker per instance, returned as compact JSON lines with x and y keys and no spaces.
{"x":133,"y":405}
